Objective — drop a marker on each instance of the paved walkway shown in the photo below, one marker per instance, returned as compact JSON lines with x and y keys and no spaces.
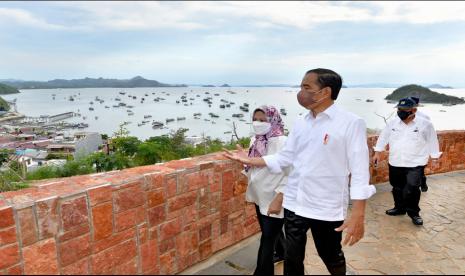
{"x":392,"y":245}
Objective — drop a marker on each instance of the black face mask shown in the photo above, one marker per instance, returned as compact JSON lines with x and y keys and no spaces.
{"x":404,"y":114}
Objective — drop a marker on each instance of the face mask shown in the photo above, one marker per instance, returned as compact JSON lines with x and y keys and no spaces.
{"x":307,"y":99}
{"x":261,"y":128}
{"x":404,"y":114}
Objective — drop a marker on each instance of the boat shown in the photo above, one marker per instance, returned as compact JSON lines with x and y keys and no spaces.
{"x":157,"y":124}
{"x":369,"y":100}
{"x":70,"y":98}
{"x":238,"y":115}
{"x":169,"y":120}
{"x":122,"y":93}
{"x":222,"y":106}
{"x":180,"y":118}
{"x":147,"y":116}
{"x":213,"y":115}
{"x":91,"y":108}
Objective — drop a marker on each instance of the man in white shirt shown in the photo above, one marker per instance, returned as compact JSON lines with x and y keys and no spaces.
{"x":412,"y":140}
{"x":324,"y":147}
{"x":423,"y":186}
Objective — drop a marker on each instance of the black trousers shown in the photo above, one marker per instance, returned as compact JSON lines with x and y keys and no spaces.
{"x":405,"y":184}
{"x":272,"y":231}
{"x":327,"y":243}
{"x":423,"y":176}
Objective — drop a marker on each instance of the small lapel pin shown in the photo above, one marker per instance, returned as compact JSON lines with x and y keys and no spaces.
{"x":325,"y":140}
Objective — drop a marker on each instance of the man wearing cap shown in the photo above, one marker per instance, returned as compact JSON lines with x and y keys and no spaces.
{"x":424,"y":186}
{"x":412,"y":140}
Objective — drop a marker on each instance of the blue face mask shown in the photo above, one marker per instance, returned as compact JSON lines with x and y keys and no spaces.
{"x":404,"y":114}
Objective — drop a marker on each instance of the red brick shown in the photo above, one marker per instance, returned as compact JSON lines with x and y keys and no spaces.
{"x":74,"y":250}
{"x":102,"y":218}
{"x":238,"y":232}
{"x":143,"y":233}
{"x":227,"y":190}
{"x":6,"y":217}
{"x":125,"y":220}
{"x":41,"y":258}
{"x":171,"y":187}
{"x":113,"y":240}
{"x":182,"y":201}
{"x":155,"y":181}
{"x":80,"y":267}
{"x":197,"y":179}
{"x":7,"y":236}
{"x":153,"y":233}
{"x":166,"y":245}
{"x":189,"y":215}
{"x":240,"y":187}
{"x":174,"y":214}
{"x":215,"y":185}
{"x":104,"y":262}
{"x":27,"y":226}
{"x":205,"y":249}
{"x":100,"y":194}
{"x":129,"y":198}
{"x":170,"y":229}
{"x":186,"y":243}
{"x":205,"y":232}
{"x":74,"y":212}
{"x":149,"y":256}
{"x":167,"y":263}
{"x":14,"y":270}
{"x":156,"y":197}
{"x":9,"y":255}
{"x":74,"y":232}
{"x":156,"y":215}
{"x":224,"y":224}
{"x":129,"y":268}
{"x":47,"y":217}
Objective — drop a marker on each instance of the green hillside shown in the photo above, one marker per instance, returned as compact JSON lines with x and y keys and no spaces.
{"x":6,"y":89}
{"x":4,"y":106}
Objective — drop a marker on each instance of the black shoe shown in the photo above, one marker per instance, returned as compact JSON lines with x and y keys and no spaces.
{"x":424,"y":188}
{"x":417,"y":220}
{"x":395,"y":212}
{"x":277,"y":258}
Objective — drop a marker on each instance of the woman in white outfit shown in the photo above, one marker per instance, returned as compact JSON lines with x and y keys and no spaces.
{"x":266,"y":189}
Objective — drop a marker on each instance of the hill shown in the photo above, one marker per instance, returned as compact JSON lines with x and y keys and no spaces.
{"x":4,"y":106}
{"x":439,"y":86}
{"x":425,"y":94}
{"x":90,"y":83}
{"x":6,"y":89}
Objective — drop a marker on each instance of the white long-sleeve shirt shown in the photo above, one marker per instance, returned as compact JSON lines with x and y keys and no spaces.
{"x":409,"y":145}
{"x":264,"y":185}
{"x":323,"y":152}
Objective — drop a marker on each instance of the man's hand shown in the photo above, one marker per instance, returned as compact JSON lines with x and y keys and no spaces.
{"x":355,"y":225}
{"x":276,"y":205}
{"x":376,"y":158}
{"x":435,"y":163}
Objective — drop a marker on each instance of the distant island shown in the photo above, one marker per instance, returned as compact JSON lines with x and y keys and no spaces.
{"x":90,"y":83}
{"x":208,"y":85}
{"x":6,"y":89}
{"x":425,"y":94}
{"x":225,"y":85}
{"x":439,"y":86}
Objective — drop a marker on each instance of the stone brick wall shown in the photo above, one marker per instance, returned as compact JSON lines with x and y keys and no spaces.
{"x":451,"y":143}
{"x":157,"y":219}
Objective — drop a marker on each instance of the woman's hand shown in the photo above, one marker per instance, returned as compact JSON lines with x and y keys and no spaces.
{"x":240,"y":155}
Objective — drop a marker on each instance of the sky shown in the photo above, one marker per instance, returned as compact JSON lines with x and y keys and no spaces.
{"x":237,"y":42}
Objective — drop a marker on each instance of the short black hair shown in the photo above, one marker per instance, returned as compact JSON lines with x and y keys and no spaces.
{"x":328,"y":78}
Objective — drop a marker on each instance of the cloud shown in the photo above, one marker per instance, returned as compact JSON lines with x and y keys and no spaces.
{"x":151,"y":15}
{"x":25,"y":18}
